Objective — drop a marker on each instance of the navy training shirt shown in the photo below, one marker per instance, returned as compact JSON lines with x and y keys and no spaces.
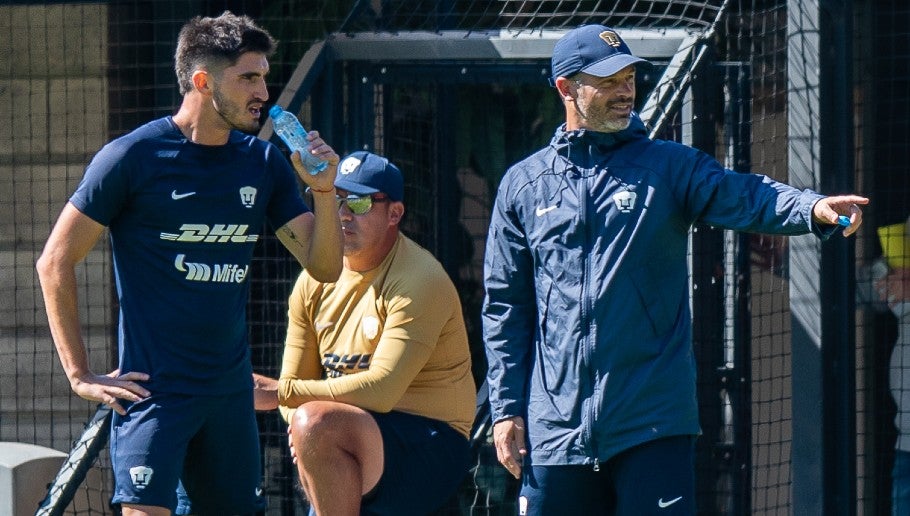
{"x":184,"y":219}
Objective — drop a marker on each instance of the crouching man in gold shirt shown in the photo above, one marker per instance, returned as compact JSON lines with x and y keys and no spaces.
{"x":376,"y":378}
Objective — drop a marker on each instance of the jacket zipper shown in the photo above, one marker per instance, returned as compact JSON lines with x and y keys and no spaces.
{"x":588,"y":352}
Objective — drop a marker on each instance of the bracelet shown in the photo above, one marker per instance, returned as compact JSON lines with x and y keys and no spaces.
{"x":330,"y":190}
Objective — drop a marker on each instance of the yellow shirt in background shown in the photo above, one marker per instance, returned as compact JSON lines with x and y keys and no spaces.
{"x":392,"y":338}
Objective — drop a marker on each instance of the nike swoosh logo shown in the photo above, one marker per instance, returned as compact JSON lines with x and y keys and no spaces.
{"x":541,"y":211}
{"x":177,"y":196}
{"x":321,"y":325}
{"x":663,"y":505}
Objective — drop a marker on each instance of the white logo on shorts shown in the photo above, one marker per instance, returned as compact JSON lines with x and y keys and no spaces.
{"x":522,"y":506}
{"x":141,"y":476}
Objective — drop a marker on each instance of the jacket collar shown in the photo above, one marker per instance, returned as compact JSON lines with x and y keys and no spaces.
{"x":604,"y":142}
{"x":586,"y":149}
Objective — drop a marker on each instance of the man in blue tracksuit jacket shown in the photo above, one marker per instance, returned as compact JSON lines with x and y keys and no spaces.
{"x":592,"y":378}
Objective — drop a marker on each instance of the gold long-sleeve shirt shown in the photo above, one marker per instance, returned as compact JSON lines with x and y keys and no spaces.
{"x":392,"y":338}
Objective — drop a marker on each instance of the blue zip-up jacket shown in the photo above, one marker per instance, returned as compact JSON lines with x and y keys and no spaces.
{"x":586,"y":318}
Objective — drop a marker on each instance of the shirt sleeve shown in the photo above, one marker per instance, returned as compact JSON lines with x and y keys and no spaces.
{"x":744,"y":201}
{"x":301,"y":350}
{"x":509,"y":311}
{"x":104,"y":188}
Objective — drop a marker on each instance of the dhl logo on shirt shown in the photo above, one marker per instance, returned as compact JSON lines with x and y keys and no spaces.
{"x":221,"y":233}
{"x":337,"y":365}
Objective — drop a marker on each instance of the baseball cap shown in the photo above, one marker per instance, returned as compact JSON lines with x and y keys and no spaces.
{"x":593,"y":49}
{"x":364,"y":173}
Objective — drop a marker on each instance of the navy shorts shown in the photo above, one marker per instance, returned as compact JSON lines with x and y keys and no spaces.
{"x":425,"y":461}
{"x":653,"y":478}
{"x":211,"y":443}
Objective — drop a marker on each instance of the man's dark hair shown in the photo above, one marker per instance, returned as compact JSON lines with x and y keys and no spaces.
{"x":215,"y":43}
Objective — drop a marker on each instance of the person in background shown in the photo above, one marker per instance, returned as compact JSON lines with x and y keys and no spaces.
{"x":896,"y":291}
{"x":376,"y":380}
{"x":183,"y":198}
{"x":892,"y":285}
{"x":586,"y":316}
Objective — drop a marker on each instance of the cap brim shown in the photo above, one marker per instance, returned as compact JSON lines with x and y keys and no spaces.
{"x":354,"y":188}
{"x":611,"y":65}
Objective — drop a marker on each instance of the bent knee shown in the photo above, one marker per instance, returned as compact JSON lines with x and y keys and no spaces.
{"x":331,"y":420}
{"x":314,"y":416}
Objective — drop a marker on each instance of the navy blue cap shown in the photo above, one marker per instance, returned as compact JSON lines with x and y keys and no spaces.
{"x":593,"y":49}
{"x":363,"y":173}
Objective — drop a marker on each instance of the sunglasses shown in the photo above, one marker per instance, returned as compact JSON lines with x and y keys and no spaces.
{"x":359,"y":204}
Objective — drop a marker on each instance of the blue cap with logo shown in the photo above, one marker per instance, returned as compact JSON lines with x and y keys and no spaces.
{"x":364,"y":173}
{"x":593,"y":49}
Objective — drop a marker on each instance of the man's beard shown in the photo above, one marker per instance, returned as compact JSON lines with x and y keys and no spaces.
{"x":232,"y":114}
{"x":614,"y":126}
{"x":599,"y":119}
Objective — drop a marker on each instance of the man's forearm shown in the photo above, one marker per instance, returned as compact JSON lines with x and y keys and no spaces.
{"x":60,"y":300}
{"x":326,"y":245}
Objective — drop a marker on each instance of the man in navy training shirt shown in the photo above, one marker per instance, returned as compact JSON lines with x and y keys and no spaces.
{"x":184,"y":198}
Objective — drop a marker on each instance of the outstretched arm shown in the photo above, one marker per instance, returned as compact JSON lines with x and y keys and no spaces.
{"x":72,"y":238}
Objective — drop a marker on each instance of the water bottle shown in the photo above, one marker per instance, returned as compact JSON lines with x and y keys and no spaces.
{"x":293,"y":134}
